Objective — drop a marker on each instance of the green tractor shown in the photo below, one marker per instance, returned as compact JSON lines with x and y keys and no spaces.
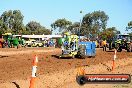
{"x":7,"y":37}
{"x":70,"y":47}
{"x":11,"y":41}
{"x":122,"y":42}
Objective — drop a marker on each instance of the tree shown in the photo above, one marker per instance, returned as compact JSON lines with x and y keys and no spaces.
{"x":74,"y":28}
{"x":45,"y":31}
{"x":1,"y":26}
{"x":129,"y":26}
{"x":35,"y":28}
{"x":62,"y":24}
{"x":109,"y":33}
{"x":94,"y":22}
{"x":32,"y":27}
{"x":12,"y":21}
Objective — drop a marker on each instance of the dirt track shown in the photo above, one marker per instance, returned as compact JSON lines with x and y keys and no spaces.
{"x":16,"y":66}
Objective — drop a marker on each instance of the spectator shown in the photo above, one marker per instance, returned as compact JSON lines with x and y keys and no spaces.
{"x":104,"y":45}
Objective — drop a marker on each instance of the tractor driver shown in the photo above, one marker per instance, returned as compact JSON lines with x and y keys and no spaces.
{"x":66,"y":44}
{"x":72,"y":44}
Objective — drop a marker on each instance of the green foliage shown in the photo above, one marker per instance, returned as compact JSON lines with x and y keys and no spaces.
{"x":11,"y":21}
{"x":129,"y":26}
{"x":108,"y":33}
{"x":62,"y":24}
{"x":130,"y":34}
{"x":74,"y":28}
{"x":1,"y":26}
{"x":94,"y":22}
{"x":35,"y":28}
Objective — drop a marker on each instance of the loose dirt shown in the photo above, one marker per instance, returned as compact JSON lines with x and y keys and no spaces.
{"x":16,"y":68}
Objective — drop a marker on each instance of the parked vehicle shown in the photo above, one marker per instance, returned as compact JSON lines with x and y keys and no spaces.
{"x":30,"y":42}
{"x":37,"y":44}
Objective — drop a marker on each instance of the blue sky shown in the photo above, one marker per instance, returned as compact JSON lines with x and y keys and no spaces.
{"x":47,"y":11}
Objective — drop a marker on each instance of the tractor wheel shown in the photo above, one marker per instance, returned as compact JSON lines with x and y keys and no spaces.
{"x":118,"y":47}
{"x":82,"y":49}
{"x":129,"y":48}
{"x":62,"y":52}
{"x":19,"y":46}
{"x":12,"y":46}
{"x":110,"y":46}
{"x":37,"y":45}
{"x":24,"y":45}
{"x":73,"y":56}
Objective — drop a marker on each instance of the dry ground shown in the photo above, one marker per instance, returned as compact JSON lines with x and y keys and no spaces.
{"x":16,"y":67}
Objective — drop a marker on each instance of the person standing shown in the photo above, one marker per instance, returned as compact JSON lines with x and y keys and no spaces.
{"x":104,"y":45}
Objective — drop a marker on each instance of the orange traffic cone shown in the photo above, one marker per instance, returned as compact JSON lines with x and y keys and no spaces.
{"x":113,"y":64}
{"x":34,"y":70}
{"x":80,"y":71}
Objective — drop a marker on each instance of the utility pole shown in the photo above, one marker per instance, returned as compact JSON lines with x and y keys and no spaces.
{"x":80,"y":26}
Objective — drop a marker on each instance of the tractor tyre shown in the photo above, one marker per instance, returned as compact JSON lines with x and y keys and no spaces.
{"x":118,"y":48}
{"x":82,"y":49}
{"x":19,"y":46}
{"x":110,"y":46}
{"x":129,"y":48}
{"x":37,"y":45}
{"x":73,"y":56}
{"x":12,"y":46}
